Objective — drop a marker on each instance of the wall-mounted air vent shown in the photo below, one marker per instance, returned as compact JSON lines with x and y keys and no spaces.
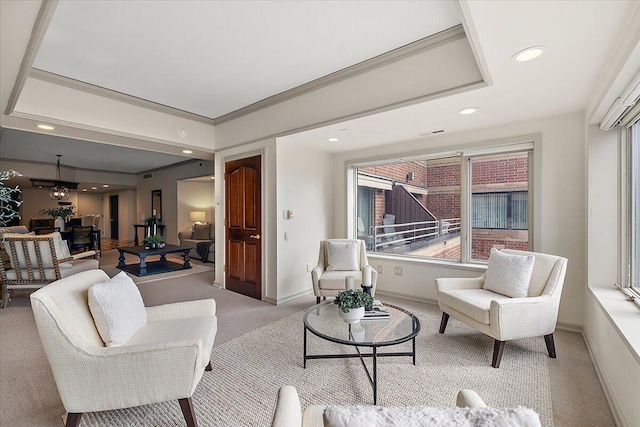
{"x":147,"y":175}
{"x":433,"y":132}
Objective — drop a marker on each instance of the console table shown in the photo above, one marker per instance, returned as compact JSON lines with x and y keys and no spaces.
{"x":145,"y":227}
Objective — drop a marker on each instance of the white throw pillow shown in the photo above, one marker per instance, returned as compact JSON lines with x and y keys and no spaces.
{"x":509,"y":274}
{"x":342,"y":256}
{"x":418,"y":416}
{"x":117,"y":309}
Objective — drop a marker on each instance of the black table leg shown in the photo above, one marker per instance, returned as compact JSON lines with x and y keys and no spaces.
{"x":375,"y":375}
{"x":121,"y":263}
{"x":186,"y":259}
{"x":413,"y":344}
{"x":304,"y":350}
{"x":143,"y":265}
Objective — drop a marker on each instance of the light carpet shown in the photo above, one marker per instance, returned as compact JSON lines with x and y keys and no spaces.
{"x":248,"y":370}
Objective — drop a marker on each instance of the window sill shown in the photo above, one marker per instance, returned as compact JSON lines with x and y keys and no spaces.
{"x":429,"y":261}
{"x":623,"y":314}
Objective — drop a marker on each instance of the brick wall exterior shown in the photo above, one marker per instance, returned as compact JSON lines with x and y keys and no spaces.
{"x":483,"y":240}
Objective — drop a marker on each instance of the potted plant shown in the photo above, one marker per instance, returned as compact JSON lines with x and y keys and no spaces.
{"x":60,"y":214}
{"x":154,"y":241}
{"x":351,"y":304}
{"x":8,"y":205}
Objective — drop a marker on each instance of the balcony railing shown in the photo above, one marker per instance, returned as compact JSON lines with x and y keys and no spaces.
{"x":412,"y":232}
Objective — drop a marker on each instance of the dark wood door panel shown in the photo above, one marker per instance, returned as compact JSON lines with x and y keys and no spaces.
{"x":243,"y":226}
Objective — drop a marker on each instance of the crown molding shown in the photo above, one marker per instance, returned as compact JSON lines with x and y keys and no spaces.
{"x":35,"y":41}
{"x":446,"y":36}
{"x":57,"y":79}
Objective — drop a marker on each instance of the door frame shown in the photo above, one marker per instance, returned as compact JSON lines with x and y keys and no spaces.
{"x":223,"y":207}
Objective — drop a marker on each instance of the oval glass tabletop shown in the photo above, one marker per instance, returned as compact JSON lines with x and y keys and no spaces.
{"x":324,"y":321}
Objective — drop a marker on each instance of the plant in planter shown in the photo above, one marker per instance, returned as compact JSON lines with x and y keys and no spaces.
{"x":154,"y":241}
{"x":8,"y":205}
{"x":62,"y":211}
{"x":352,"y":304}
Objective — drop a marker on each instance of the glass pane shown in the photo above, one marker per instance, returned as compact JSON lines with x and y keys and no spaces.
{"x":499,"y":203}
{"x":414,"y":207}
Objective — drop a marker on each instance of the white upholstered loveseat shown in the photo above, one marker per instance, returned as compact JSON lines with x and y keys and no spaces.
{"x":289,"y":413}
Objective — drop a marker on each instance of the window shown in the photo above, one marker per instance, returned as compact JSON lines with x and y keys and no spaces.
{"x":416,"y":208}
{"x":633,"y":196}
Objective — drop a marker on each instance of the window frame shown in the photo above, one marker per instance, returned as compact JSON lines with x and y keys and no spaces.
{"x":530,"y":143}
{"x":628,"y":202}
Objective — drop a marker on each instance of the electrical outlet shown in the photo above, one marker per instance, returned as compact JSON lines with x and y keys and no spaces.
{"x":397,"y":271}
{"x":286,"y":236}
{"x":379,"y":268}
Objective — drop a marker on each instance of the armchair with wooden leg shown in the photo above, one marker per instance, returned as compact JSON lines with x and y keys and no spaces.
{"x":518,"y":297}
{"x":107,"y":351}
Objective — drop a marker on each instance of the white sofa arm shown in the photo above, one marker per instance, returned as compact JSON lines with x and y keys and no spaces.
{"x":205,"y":307}
{"x":523,"y":317}
{"x":453,"y":283}
{"x":469,"y":399}
{"x":287,"y":412}
{"x":315,"y":277}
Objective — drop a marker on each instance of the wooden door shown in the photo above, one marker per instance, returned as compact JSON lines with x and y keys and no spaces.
{"x":243,"y":256}
{"x":113,"y":214}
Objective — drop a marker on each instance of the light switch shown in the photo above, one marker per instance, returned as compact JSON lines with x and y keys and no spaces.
{"x":286,"y":236}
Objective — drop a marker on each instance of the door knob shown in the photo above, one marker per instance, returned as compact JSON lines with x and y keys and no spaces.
{"x":255,"y":236}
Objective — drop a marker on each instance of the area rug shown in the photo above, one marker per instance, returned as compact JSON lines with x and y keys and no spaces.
{"x":248,"y":370}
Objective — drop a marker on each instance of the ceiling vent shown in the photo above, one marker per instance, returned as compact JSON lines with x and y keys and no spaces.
{"x":434,"y":132}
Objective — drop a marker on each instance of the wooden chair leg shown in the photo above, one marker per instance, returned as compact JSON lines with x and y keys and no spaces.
{"x":551,"y":346}
{"x":317,"y":300}
{"x":208,"y":367}
{"x":443,"y":322}
{"x":498,"y":349}
{"x":73,"y":419}
{"x":188,"y":412}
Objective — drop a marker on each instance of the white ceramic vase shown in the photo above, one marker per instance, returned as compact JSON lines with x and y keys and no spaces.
{"x":352,"y":316}
{"x":59,"y":223}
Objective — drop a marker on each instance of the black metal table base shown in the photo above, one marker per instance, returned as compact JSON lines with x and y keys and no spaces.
{"x":373,"y":375}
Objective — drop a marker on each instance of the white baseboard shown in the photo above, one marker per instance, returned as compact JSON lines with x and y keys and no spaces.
{"x":405,"y":296}
{"x":611,"y":400}
{"x":569,"y":327}
{"x":288,"y":297}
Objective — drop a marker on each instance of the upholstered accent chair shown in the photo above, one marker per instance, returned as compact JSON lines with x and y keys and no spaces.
{"x":337,"y":260}
{"x":163,"y":360}
{"x":199,"y":235}
{"x":503,"y":317}
{"x":36,"y":261}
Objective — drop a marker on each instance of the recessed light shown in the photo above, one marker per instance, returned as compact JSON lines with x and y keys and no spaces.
{"x":84,"y":190}
{"x":45,"y":127}
{"x":468,"y":110}
{"x":333,"y":140}
{"x":94,"y":188}
{"x":187,"y":151}
{"x":528,"y":54}
{"x":105,"y":185}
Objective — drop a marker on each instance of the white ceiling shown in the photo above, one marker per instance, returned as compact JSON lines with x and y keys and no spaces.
{"x":212,"y":58}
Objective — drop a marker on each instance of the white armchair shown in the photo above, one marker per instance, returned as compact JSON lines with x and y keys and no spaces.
{"x":329,"y":279}
{"x":502,"y":317}
{"x":164,"y":360}
{"x":36,"y":261}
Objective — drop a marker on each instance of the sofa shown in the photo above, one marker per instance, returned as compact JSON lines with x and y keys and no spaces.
{"x":196,"y":234}
{"x":471,"y":411}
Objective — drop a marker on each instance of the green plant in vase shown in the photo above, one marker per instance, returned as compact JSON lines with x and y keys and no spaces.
{"x":350,"y":298}
{"x":9,"y":207}
{"x":62,"y":211}
{"x":154,"y":241}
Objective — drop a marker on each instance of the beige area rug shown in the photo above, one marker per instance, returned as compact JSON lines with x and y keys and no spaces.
{"x":248,"y":370}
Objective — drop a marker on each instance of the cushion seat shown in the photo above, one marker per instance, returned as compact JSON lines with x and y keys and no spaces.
{"x":336,"y":279}
{"x":170,"y":330}
{"x":475,"y":303}
{"x":50,"y":274}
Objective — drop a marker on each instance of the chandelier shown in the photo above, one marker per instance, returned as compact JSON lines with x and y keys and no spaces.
{"x":59,"y":191}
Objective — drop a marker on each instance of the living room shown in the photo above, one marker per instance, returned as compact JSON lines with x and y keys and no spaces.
{"x":576,"y":165}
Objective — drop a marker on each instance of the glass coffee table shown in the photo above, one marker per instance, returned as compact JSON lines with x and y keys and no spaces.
{"x":324,"y":321}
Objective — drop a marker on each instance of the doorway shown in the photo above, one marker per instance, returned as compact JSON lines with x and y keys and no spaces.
{"x":113,"y":216}
{"x":243,"y":200}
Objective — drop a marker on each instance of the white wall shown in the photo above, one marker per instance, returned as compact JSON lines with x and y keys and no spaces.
{"x":305,"y":180}
{"x":35,"y":199}
{"x":166,"y":179}
{"x":194,"y":196}
{"x":610,"y":321}
{"x":562,"y":208}
{"x":89,"y":204}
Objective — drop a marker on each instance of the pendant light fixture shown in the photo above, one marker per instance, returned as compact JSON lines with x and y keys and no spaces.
{"x":59,"y":191}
